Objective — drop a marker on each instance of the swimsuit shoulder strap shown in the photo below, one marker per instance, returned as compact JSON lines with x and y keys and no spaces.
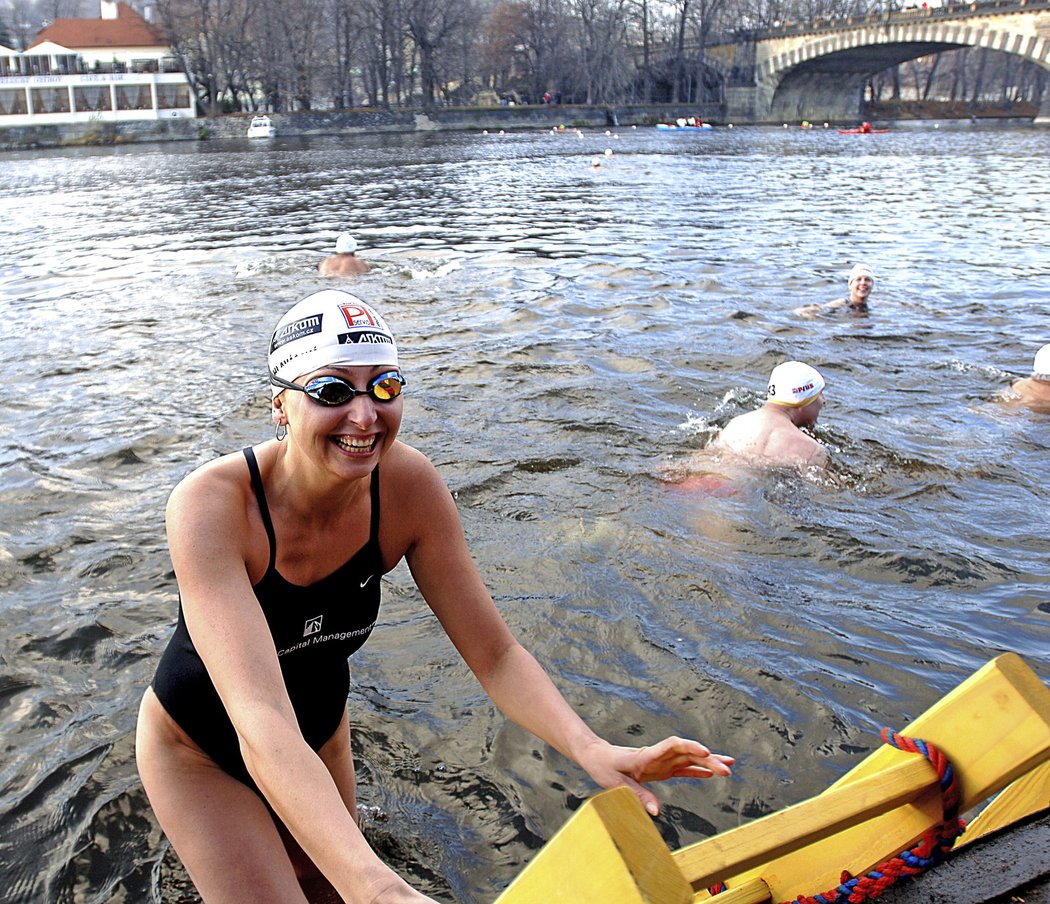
{"x":264,"y":509}
{"x":373,"y":534}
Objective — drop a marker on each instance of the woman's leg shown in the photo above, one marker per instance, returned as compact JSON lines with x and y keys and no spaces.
{"x":221,"y":830}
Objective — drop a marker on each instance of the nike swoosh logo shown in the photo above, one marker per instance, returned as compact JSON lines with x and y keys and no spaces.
{"x":366,"y":580}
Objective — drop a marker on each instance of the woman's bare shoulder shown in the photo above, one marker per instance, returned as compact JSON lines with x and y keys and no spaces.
{"x":217,"y":489}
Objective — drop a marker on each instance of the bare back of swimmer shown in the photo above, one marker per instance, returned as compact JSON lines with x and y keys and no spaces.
{"x":771,"y":436}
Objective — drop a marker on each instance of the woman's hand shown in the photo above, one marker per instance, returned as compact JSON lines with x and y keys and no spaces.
{"x":611,"y":766}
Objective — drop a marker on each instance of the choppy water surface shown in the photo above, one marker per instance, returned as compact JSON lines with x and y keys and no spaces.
{"x":570,"y":336}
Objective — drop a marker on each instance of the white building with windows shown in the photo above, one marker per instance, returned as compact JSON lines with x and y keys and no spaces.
{"x":115,"y":68}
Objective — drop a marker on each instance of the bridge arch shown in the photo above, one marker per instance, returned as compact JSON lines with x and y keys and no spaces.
{"x":821,"y":75}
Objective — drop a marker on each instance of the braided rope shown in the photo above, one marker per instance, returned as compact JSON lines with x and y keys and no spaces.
{"x":928,"y":853}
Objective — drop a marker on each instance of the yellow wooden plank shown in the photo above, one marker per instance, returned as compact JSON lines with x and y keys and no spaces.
{"x":1029,"y":794}
{"x":795,"y":827}
{"x":609,"y":852}
{"x":994,"y":728}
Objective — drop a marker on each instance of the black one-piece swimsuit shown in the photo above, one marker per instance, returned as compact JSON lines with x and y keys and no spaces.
{"x":315,"y":629}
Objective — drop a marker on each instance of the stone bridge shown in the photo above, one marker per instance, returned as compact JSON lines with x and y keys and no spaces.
{"x":818,"y":71}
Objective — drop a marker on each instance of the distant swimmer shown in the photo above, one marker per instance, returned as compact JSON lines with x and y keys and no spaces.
{"x":771,"y":436}
{"x":1034,"y":391}
{"x":345,"y":261}
{"x":861,"y":282}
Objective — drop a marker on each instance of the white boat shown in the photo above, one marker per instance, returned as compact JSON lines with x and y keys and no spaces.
{"x":261,"y":127}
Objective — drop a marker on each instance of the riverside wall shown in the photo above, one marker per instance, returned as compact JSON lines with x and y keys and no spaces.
{"x":349,"y":122}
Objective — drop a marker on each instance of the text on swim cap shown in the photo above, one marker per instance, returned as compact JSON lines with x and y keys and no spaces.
{"x":295,"y":330}
{"x":284,"y":362}
{"x":365,"y":337}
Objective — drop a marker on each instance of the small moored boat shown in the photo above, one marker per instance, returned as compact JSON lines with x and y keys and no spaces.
{"x":676,"y":127}
{"x":261,"y":127}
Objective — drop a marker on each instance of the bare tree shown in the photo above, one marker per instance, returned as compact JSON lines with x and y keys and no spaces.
{"x":601,"y":49}
{"x":431,"y":23}
{"x":643,"y":34}
{"x":198,"y":31}
{"x":347,"y":33}
{"x":540,"y":40}
{"x":306,"y":39}
{"x":381,"y":30}
{"x":25,"y":22}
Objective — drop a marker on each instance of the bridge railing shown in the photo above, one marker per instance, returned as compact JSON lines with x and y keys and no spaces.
{"x":951,"y":10}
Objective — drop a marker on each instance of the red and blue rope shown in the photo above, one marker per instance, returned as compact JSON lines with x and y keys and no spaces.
{"x":928,"y":853}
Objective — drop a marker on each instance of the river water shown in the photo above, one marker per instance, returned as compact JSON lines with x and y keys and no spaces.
{"x":570,"y":336}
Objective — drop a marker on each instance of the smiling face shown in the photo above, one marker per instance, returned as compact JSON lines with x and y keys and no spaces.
{"x":860,"y":288}
{"x":349,"y":439}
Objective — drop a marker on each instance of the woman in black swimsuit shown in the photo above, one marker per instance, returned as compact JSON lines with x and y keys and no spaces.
{"x":243,"y":741}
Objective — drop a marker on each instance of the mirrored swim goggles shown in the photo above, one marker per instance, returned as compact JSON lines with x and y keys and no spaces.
{"x":334,"y":391}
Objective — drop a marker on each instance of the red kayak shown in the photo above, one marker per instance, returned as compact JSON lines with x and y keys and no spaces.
{"x":865,"y":129}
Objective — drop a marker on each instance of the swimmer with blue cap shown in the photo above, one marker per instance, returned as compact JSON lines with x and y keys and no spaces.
{"x":1034,"y":391}
{"x":772,"y":435}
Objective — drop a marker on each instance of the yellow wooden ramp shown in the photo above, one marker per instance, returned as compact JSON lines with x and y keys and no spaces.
{"x":994,"y":728}
{"x":609,"y":852}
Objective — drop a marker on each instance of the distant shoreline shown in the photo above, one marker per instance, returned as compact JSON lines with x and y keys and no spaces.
{"x":542,"y":116}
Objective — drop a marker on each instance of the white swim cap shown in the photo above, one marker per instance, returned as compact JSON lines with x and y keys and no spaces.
{"x":861,"y":270}
{"x":794,"y":384}
{"x":1041,"y":367}
{"x":345,"y":244}
{"x":329,"y":328}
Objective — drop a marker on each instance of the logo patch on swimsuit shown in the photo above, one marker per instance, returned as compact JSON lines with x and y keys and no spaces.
{"x":313,"y":625}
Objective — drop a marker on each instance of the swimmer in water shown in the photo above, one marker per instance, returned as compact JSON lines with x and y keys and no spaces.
{"x":1034,"y":391}
{"x":345,"y":261}
{"x":772,"y":436}
{"x":243,"y":741}
{"x":861,"y":282}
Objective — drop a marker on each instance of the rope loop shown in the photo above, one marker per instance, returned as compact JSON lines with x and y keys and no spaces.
{"x":931,"y":851}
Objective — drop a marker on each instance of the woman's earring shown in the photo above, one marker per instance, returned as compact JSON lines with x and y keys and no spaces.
{"x":280,"y":431}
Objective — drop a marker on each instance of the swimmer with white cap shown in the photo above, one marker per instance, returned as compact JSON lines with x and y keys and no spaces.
{"x":345,"y":261}
{"x":771,"y":436}
{"x":1034,"y":391}
{"x":243,"y":740}
{"x":861,"y":282}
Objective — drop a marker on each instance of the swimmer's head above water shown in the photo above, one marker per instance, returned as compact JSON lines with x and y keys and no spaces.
{"x":861,"y":281}
{"x":345,"y":244}
{"x":858,"y":271}
{"x":794,"y":384}
{"x":1041,"y":365}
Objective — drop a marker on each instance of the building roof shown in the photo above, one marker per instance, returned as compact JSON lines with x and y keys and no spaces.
{"x":129,"y":29}
{"x":49,"y":48}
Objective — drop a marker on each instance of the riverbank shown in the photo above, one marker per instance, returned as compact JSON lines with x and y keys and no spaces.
{"x":962,"y":111}
{"x":542,"y":116}
{"x":349,"y":122}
